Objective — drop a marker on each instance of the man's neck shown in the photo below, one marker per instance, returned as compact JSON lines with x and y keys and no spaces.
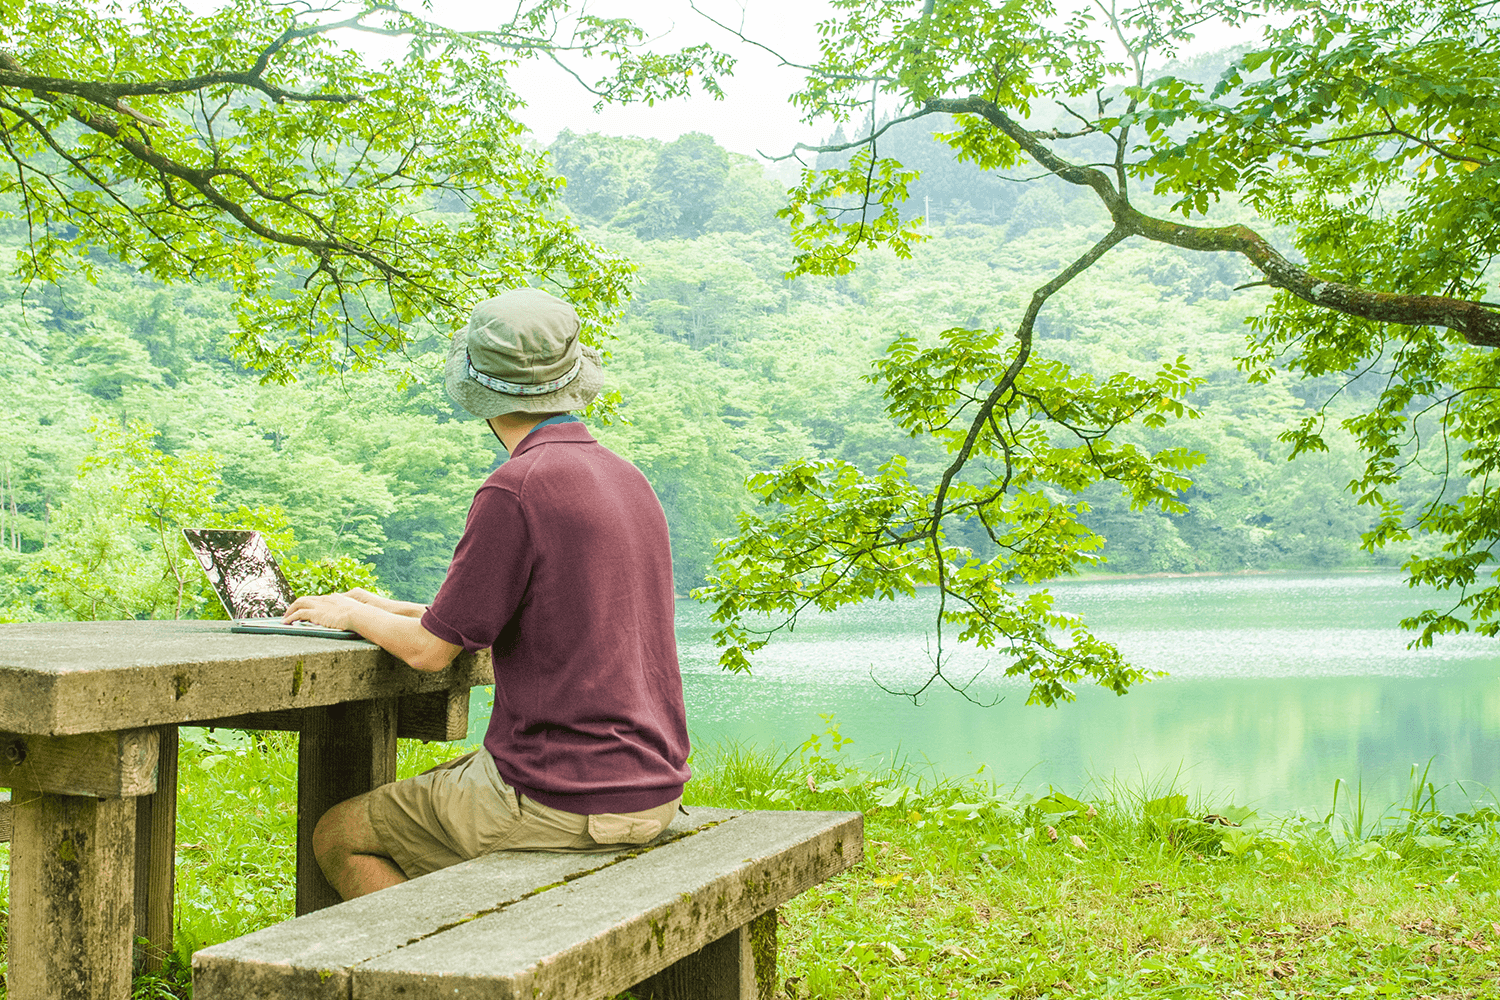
{"x":512,"y":428}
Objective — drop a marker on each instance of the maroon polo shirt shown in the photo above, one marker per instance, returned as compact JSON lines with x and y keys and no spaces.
{"x":565,"y":572}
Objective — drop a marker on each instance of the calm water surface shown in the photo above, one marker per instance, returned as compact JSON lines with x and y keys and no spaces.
{"x":1278,"y":685}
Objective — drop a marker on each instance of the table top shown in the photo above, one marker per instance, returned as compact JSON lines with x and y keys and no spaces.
{"x":64,"y":678}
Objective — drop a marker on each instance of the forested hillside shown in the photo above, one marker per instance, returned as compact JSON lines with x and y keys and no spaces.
{"x":126,"y":416}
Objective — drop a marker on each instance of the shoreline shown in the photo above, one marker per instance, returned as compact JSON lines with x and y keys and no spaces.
{"x":1094,"y":576}
{"x":1165,"y":575}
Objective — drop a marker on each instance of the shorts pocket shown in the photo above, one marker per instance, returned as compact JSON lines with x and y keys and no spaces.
{"x":613,"y":828}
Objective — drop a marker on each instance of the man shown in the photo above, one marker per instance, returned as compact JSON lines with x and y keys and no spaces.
{"x":565,"y":572}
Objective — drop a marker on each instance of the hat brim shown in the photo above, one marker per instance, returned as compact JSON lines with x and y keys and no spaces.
{"x":485,"y":402}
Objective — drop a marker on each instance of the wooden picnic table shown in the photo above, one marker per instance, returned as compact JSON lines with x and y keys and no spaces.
{"x":88,"y":744}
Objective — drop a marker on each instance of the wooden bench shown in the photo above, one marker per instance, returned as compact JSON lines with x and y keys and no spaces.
{"x":691,"y":916}
{"x":5,"y":820}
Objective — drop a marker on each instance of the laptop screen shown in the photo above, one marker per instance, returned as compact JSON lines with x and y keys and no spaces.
{"x":242,"y":570}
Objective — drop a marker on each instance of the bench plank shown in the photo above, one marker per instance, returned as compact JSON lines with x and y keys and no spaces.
{"x":311,"y":957}
{"x":564,"y":926}
{"x":598,"y":935}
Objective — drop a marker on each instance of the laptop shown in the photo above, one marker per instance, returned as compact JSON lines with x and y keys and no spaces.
{"x":250,"y":585}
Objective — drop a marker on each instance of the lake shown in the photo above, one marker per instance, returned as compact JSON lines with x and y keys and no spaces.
{"x":1279,"y":684}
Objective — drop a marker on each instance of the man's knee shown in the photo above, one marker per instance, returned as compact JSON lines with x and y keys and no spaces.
{"x":343,"y":830}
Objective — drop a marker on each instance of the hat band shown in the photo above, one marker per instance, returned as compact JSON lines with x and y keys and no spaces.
{"x":521,"y":388}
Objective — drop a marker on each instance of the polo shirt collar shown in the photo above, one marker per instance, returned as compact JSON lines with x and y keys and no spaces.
{"x":571,"y":432}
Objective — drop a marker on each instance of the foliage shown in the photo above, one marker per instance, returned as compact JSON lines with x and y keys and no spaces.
{"x":121,"y":552}
{"x":330,"y":575}
{"x":352,"y":206}
{"x":657,"y":190}
{"x":1318,"y":127}
{"x":840,"y":535}
{"x":670,"y":428}
{"x":1375,"y":133}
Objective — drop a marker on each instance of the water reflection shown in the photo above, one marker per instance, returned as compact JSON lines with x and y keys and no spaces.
{"x":1279,"y":684}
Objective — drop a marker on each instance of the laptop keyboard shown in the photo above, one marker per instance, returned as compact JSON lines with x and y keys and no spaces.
{"x":278,"y":621}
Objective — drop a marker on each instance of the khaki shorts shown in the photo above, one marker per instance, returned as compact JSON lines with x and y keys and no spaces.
{"x":463,"y":809}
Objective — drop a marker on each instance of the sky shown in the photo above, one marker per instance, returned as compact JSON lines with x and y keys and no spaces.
{"x":754,"y":117}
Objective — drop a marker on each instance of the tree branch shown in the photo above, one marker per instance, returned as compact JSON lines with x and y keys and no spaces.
{"x":201,"y":180}
{"x":109,"y":95}
{"x":1477,"y":324}
{"x":1024,"y":335}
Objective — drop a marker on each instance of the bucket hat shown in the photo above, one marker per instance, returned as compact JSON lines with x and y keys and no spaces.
{"x":521,"y":352}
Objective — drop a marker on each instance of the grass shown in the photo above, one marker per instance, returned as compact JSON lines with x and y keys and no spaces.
{"x":975,"y":889}
{"x":972,"y":889}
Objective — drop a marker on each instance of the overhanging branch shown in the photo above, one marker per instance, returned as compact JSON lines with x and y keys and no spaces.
{"x":1477,"y":324}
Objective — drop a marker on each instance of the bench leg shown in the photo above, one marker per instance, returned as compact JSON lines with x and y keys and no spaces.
{"x":155,"y":857}
{"x":344,"y":750}
{"x":741,"y":965}
{"x":72,"y":863}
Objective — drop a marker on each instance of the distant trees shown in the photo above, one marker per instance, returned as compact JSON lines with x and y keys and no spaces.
{"x":680,"y":189}
{"x":691,"y":172}
{"x":348,"y":477}
{"x":1372,"y":131}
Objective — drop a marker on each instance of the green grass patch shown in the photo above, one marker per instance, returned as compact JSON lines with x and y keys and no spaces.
{"x":972,"y":888}
{"x":976,"y":889}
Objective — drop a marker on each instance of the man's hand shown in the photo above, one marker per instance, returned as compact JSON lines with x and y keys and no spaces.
{"x":394,"y":626}
{"x":329,"y":610}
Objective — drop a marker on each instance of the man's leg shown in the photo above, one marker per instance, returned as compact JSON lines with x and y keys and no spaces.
{"x":351,"y":856}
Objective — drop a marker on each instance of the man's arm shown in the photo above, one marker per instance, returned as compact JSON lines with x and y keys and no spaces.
{"x":404,"y":608}
{"x":398,"y":633}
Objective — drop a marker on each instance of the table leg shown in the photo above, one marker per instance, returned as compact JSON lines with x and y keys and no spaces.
{"x":156,"y":857}
{"x":344,"y":750}
{"x":71,"y":862}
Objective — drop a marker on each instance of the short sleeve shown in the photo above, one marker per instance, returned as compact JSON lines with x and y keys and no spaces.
{"x":488,"y":575}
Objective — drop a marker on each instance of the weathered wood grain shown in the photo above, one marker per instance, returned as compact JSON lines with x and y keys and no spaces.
{"x":110,"y":764}
{"x":344,"y":751}
{"x":313,"y":956}
{"x":71,"y":876}
{"x":726,"y":969}
{"x":5,"y":820}
{"x":287,"y":720}
{"x":156,"y":858}
{"x":434,"y":715}
{"x":62,"y":678}
{"x":517,"y":926}
{"x":429,"y":715}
